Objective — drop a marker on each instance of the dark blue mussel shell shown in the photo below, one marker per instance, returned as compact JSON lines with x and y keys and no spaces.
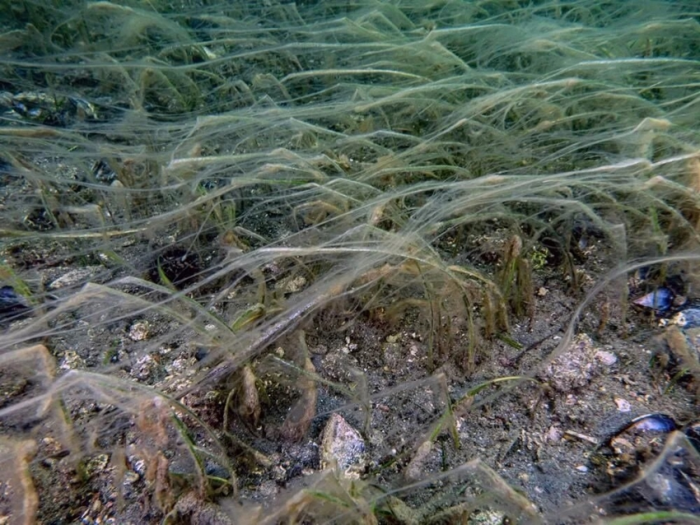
{"x":653,"y":423}
{"x":660,"y":299}
{"x":12,"y":304}
{"x":661,"y":423}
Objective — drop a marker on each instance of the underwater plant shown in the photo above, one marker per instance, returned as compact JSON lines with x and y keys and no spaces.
{"x":223,"y":223}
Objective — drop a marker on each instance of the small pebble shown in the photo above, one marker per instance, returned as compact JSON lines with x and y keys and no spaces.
{"x":342,"y":446}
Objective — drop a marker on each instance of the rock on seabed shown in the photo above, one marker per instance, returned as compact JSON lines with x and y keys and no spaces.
{"x":578,"y":365}
{"x":342,"y":446}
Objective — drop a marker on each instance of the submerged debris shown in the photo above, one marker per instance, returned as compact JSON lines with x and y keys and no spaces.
{"x":176,"y":266}
{"x":678,"y":352}
{"x":655,"y":463}
{"x":687,"y":318}
{"x":19,"y":502}
{"x":103,"y":172}
{"x":47,"y":109}
{"x":39,"y":219}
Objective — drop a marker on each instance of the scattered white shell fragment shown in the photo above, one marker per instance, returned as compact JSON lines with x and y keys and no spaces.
{"x":605,"y":357}
{"x":71,"y":361}
{"x":554,"y":434}
{"x":296,"y":285}
{"x":582,"y":437}
{"x":139,"y":331}
{"x":130,"y":477}
{"x":319,"y":350}
{"x":96,"y":464}
{"x":143,"y":368}
{"x":487,"y":517}
{"x":182,"y":366}
{"x":343,"y":447}
{"x":74,"y":277}
{"x":623,"y":405}
{"x":582,"y":468}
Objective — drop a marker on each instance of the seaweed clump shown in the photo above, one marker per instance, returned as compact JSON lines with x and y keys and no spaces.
{"x":198,"y":202}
